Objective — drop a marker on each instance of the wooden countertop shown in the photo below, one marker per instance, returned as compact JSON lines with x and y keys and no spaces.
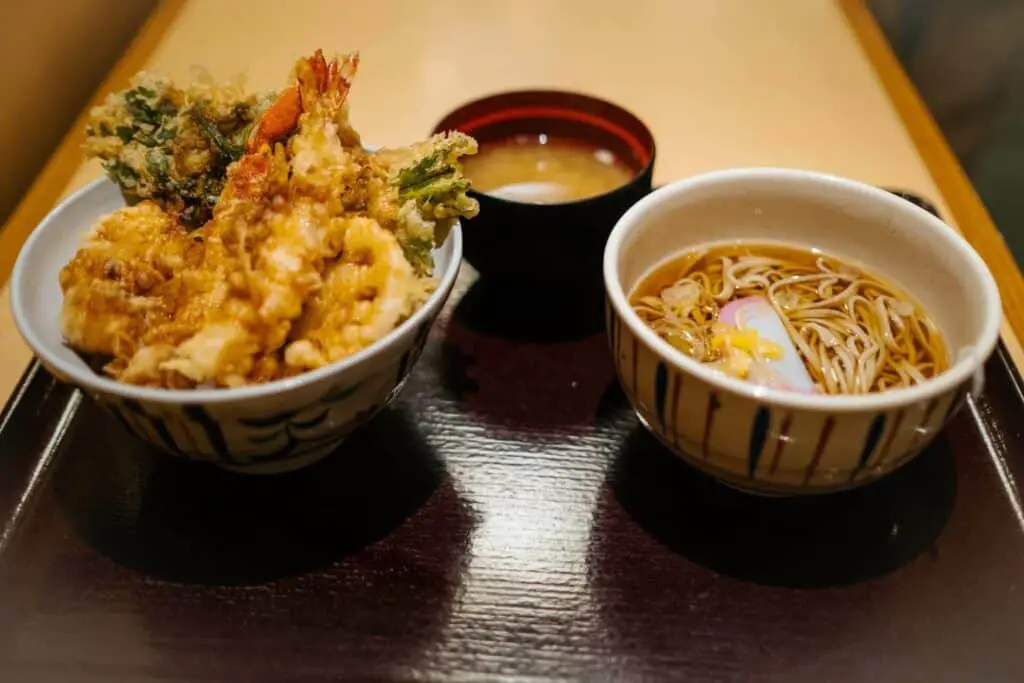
{"x":800,"y":83}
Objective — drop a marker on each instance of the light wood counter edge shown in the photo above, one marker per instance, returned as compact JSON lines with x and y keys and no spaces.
{"x":959,"y":194}
{"x":65,"y":161}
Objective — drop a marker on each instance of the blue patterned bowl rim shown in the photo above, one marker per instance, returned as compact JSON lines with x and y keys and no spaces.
{"x":969,"y":365}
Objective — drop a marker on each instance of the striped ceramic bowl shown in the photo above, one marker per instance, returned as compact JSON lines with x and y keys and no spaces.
{"x":766,"y":440}
{"x":272,"y":427}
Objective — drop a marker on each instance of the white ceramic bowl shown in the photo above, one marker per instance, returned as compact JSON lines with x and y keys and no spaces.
{"x":271,"y":427}
{"x":771,"y":441}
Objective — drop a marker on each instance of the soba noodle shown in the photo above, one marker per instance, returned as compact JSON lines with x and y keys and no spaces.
{"x":855,"y":332}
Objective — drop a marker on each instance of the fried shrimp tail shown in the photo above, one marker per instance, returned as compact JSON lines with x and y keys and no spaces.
{"x":318,"y":84}
{"x":280,"y":119}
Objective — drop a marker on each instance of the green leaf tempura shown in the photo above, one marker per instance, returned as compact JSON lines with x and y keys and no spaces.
{"x":172,"y":145}
{"x":432,"y":195}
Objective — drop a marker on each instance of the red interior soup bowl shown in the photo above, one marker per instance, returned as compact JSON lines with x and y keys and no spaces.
{"x":555,"y":171}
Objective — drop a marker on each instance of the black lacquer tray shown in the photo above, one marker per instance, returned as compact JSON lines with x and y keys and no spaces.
{"x":507,"y":518}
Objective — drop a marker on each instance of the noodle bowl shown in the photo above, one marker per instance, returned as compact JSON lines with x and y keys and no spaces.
{"x":792,"y":332}
{"x":854,"y":332}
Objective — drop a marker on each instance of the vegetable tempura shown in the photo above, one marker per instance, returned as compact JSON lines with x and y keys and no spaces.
{"x":314,"y":247}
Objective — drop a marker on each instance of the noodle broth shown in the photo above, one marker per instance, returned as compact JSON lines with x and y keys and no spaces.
{"x":852,"y":331}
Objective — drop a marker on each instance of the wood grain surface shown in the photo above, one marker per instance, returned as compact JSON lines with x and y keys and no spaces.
{"x":721,"y":84}
{"x":507,"y":519}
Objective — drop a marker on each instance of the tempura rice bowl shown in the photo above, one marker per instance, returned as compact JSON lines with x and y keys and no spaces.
{"x":278,"y":426}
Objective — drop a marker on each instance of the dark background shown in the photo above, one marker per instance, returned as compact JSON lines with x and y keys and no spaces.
{"x":966,"y":58}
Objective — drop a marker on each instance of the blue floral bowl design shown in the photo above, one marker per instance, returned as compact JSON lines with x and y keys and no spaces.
{"x":273,"y":427}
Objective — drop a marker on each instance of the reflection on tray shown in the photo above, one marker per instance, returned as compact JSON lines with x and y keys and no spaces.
{"x":520,"y":312}
{"x":499,"y":347}
{"x":932,"y":549}
{"x":173,"y":519}
{"x":802,"y":542}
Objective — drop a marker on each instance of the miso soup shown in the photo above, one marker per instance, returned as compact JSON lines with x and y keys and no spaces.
{"x":541,"y":169}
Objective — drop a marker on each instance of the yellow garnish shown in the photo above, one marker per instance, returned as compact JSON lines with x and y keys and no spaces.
{"x":747,"y":341}
{"x":736,"y":364}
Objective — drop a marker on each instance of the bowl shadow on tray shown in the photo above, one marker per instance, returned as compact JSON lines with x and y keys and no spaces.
{"x":799,"y":542}
{"x":525,"y":311}
{"x":182,"y":521}
{"x":522,"y":367}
